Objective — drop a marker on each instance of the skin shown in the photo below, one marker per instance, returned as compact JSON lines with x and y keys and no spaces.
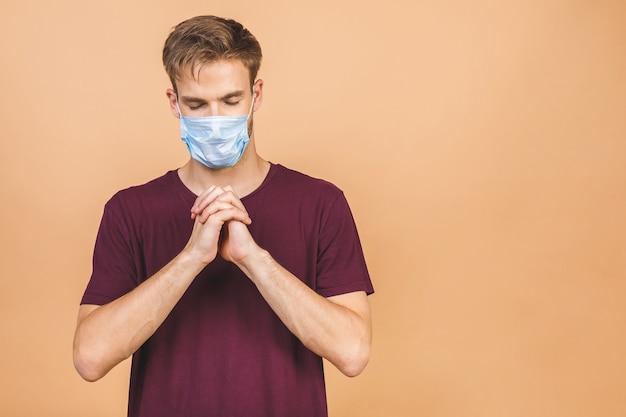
{"x":336,"y":328}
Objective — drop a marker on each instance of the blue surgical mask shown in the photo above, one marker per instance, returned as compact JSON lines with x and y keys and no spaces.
{"x":215,"y":141}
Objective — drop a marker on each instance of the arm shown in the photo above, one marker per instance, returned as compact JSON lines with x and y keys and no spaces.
{"x":336,"y":328}
{"x":106,"y":335}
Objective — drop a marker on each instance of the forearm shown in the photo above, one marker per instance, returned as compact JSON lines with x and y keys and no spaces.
{"x":324,"y":325}
{"x":108,"y":334}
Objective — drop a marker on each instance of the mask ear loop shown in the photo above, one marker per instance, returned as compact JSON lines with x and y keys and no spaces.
{"x":251,"y":105}
{"x":180,"y":113}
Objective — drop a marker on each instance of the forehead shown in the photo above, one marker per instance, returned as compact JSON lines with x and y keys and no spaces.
{"x":214,"y":78}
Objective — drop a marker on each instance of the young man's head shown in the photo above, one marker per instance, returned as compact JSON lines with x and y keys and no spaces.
{"x":205,"y":40}
{"x":212,"y":64}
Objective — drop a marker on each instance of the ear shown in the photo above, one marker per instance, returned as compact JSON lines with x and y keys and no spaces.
{"x":257,"y":88}
{"x":171,"y":98}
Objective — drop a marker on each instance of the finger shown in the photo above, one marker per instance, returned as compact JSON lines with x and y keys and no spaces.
{"x":213,"y":208}
{"x":212,"y":193}
{"x":229,"y":188}
{"x":230,"y":213}
{"x":231,"y":196}
{"x":204,"y":199}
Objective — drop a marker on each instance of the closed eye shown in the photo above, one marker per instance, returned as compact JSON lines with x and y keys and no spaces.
{"x":193,"y":103}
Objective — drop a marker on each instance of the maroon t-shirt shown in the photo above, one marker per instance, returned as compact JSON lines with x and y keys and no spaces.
{"x":222,"y":351}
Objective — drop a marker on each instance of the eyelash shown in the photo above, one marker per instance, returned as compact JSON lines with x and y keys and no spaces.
{"x":228,"y":103}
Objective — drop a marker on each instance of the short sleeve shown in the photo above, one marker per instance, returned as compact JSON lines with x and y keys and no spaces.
{"x":114,"y":268}
{"x":341,"y":266}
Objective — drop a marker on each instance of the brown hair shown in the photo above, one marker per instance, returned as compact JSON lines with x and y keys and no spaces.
{"x":206,"y":39}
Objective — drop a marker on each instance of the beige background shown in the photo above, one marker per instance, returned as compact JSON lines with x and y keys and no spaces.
{"x":481,"y":144}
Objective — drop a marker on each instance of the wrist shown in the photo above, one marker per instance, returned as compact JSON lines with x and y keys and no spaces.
{"x":256,"y":260}
{"x":193,"y":259}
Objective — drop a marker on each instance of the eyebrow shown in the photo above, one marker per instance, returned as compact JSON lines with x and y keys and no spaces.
{"x":236,"y":93}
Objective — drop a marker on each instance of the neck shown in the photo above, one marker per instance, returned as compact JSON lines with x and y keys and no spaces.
{"x":245,"y":176}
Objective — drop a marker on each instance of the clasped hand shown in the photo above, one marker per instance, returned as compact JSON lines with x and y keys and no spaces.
{"x":220,"y":226}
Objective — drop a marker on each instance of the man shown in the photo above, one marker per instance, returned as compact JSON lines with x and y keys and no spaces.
{"x":229,"y":278}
